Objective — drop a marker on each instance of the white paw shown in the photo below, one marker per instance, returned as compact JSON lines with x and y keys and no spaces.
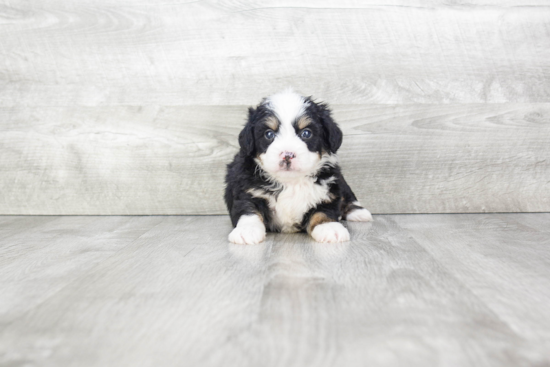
{"x":248,"y":235}
{"x":330,"y":232}
{"x":359,"y":215}
{"x":250,"y":230}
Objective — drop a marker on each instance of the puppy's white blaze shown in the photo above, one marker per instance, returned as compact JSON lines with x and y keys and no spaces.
{"x":250,"y":230}
{"x":359,"y":215}
{"x":330,"y":232}
{"x":287,"y":105}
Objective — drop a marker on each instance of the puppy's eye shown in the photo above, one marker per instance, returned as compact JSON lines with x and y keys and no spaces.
{"x":306,"y":134}
{"x":269,"y":134}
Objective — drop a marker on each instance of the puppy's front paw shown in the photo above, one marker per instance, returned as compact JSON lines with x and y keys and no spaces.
{"x":330,"y":232}
{"x":359,"y":215}
{"x":250,"y":230}
{"x":247,"y":235}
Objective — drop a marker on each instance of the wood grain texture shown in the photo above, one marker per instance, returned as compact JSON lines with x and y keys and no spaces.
{"x":509,"y":262}
{"x":57,"y":53}
{"x":48,"y":256}
{"x":171,"y":159}
{"x":429,"y":290}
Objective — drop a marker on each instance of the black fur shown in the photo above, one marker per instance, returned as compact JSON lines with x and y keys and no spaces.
{"x":333,"y":135}
{"x":244,"y":174}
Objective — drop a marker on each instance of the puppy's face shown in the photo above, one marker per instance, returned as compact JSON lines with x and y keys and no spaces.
{"x":289,"y":136}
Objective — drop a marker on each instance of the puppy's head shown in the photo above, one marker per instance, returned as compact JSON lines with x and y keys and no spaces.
{"x":290,"y":136}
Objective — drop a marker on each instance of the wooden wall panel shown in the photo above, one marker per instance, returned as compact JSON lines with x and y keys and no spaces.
{"x":106,"y":52}
{"x":124,"y":107}
{"x":171,"y":160}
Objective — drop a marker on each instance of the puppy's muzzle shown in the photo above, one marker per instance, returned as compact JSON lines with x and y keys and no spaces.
{"x":286,"y":159}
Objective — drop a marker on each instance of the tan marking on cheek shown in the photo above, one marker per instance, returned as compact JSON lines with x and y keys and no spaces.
{"x":303,"y":122}
{"x":272,"y":123}
{"x":316,"y":219}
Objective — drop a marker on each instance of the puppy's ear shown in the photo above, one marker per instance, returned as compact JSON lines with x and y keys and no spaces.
{"x":246,"y":137}
{"x":333,"y":134}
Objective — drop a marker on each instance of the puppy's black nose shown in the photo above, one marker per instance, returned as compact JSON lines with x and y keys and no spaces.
{"x":287,"y":156}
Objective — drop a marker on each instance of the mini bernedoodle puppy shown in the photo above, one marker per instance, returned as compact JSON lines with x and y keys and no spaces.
{"x":286,"y":176}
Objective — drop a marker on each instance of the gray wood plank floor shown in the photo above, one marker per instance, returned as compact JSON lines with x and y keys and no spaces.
{"x":423,"y":290}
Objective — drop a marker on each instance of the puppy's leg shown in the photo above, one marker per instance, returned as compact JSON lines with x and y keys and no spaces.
{"x":359,"y":214}
{"x":352,"y":209}
{"x":325,"y":229}
{"x":250,"y":230}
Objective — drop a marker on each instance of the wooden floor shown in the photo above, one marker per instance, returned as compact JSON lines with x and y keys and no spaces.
{"x":418,"y":290}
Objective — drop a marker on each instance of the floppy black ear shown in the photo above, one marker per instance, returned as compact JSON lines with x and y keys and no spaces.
{"x":246,"y":136}
{"x":333,"y":134}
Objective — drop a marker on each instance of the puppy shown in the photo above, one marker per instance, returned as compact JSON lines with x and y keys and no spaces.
{"x":286,"y":176}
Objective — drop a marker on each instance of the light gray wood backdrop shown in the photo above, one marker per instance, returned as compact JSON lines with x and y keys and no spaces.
{"x":127,"y":107}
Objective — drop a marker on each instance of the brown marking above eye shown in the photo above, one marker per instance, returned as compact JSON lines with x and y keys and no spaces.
{"x":272,"y":123}
{"x":303,"y":122}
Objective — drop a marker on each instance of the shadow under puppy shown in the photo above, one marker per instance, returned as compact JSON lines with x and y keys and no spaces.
{"x":286,"y":176}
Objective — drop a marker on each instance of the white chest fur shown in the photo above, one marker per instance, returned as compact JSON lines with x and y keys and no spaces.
{"x":295,"y":200}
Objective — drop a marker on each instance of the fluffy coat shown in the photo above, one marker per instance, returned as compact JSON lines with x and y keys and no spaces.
{"x":286,"y":176}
